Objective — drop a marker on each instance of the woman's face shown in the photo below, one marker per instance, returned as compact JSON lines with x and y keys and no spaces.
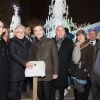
{"x":20,"y":33}
{"x":38,"y":31}
{"x":81,"y":38}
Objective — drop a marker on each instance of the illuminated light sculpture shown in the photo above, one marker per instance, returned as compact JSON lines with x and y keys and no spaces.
{"x":16,"y":20}
{"x":58,"y":15}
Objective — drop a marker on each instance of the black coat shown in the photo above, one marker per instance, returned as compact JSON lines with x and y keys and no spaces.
{"x":18,"y":52}
{"x":65,"y":54}
{"x":3,"y":70}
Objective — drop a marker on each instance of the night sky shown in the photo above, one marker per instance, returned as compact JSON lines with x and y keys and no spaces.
{"x":81,"y":10}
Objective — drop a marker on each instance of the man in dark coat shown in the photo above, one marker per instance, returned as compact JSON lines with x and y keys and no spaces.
{"x":3,"y":66}
{"x":65,"y":47}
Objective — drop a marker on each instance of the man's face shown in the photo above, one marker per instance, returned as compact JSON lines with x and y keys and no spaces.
{"x":60,"y":32}
{"x":28,"y":31}
{"x":1,"y":28}
{"x":38,"y":31}
{"x":92,"y":36}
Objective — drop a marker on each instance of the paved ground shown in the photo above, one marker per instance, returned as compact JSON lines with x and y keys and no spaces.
{"x":68,"y":96}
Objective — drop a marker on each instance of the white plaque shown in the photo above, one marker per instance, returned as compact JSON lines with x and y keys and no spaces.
{"x":37,"y":70}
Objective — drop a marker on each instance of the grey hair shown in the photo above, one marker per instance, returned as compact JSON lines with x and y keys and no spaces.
{"x":19,"y":27}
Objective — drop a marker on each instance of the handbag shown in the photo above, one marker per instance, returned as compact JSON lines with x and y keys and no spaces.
{"x":75,"y":71}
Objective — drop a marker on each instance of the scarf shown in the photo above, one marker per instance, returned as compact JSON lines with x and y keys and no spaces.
{"x":76,"y":55}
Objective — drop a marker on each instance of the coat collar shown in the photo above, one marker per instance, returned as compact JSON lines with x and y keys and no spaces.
{"x":41,"y":39}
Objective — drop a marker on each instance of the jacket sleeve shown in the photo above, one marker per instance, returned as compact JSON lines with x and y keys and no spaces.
{"x":31,"y":53}
{"x":14,"y":55}
{"x":55,"y":57}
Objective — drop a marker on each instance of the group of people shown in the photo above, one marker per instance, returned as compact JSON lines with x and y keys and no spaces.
{"x":60,"y":55}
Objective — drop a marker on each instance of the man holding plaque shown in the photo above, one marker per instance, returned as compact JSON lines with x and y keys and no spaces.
{"x":44,"y":49}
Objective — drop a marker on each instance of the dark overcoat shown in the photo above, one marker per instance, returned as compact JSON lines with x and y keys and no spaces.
{"x":65,"y":54}
{"x":3,"y":70}
{"x":18,"y":54}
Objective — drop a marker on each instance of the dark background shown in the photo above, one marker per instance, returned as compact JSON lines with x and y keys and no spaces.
{"x":81,"y":10}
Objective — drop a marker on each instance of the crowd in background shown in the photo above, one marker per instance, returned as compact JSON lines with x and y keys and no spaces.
{"x":68,"y":64}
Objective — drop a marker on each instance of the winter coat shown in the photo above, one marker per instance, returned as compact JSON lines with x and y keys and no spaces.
{"x":18,"y":54}
{"x":3,"y":70}
{"x":65,"y":55}
{"x":45,"y":50}
{"x":86,"y":60}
